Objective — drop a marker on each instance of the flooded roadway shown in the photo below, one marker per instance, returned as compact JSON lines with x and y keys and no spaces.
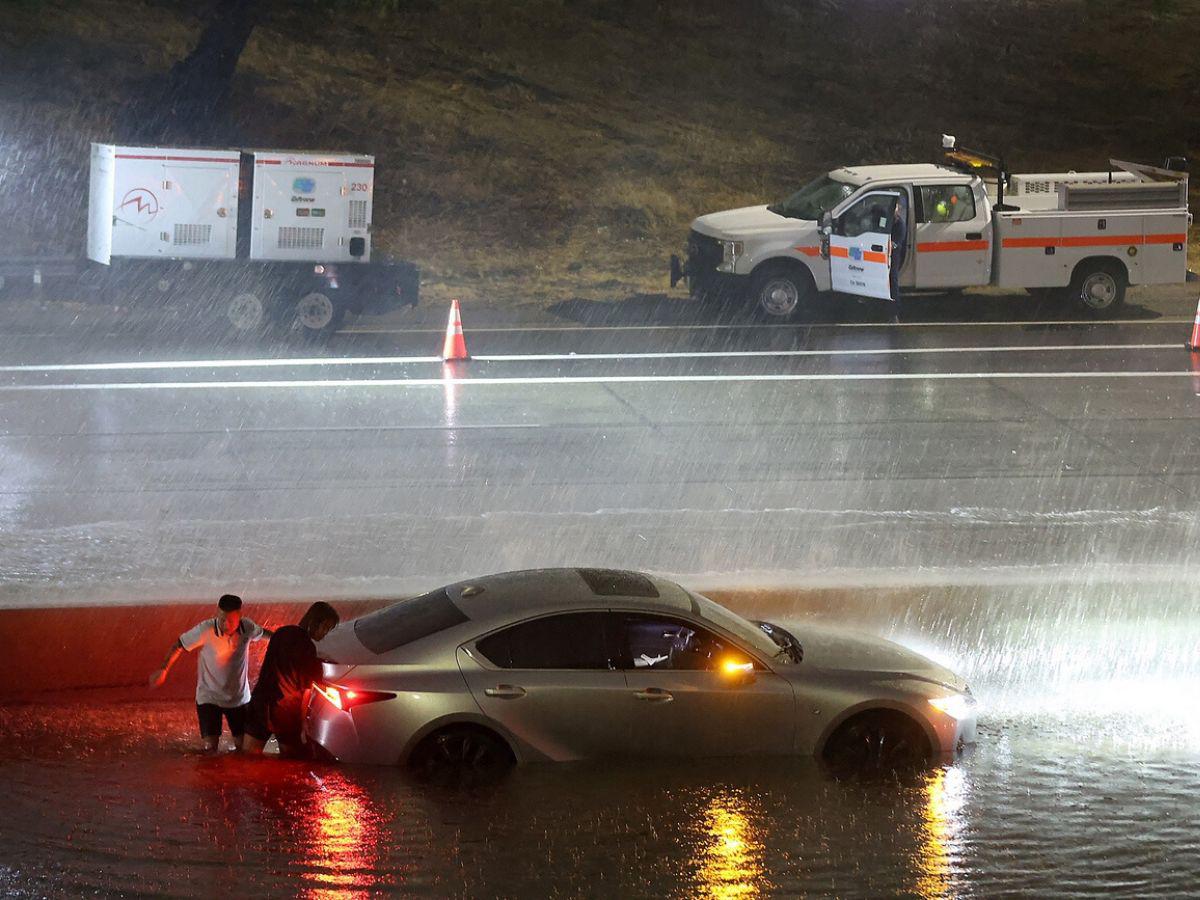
{"x":108,"y":801}
{"x":1017,"y":499}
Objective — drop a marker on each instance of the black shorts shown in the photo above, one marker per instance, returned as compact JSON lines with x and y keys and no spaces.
{"x":210,"y":715}
{"x":283,"y":718}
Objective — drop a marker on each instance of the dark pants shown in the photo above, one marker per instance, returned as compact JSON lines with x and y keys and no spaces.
{"x":283,"y":718}
{"x":209,"y":716}
{"x":894,"y":281}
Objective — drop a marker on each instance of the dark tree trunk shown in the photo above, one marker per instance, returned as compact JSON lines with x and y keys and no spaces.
{"x":190,"y":106}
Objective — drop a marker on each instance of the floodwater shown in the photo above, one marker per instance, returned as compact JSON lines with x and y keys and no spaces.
{"x":110,"y":799}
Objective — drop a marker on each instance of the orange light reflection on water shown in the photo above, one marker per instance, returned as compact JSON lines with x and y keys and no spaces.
{"x":731,"y":863}
{"x":946,"y":791}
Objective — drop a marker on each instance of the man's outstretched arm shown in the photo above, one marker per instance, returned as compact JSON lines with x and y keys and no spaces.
{"x":159,"y":676}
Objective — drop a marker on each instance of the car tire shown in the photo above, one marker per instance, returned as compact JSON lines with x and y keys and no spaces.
{"x":1099,"y":286}
{"x":876,"y":742}
{"x":781,"y":291}
{"x":461,"y":753}
{"x":245,"y":312}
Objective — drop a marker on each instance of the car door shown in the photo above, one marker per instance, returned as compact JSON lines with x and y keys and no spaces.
{"x":552,"y":682}
{"x":952,"y":237}
{"x":695,"y":692}
{"x":860,"y":246}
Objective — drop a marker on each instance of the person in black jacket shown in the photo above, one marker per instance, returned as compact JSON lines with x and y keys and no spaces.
{"x":289,"y":669}
{"x":899,"y":253}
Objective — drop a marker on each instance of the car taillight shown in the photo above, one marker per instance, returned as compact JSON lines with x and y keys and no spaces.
{"x":345,"y":698}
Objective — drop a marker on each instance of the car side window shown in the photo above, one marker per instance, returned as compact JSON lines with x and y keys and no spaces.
{"x":943,"y":203}
{"x":566,"y":641}
{"x":661,"y":642}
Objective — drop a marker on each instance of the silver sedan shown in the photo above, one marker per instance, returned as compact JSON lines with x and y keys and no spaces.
{"x":568,"y":664}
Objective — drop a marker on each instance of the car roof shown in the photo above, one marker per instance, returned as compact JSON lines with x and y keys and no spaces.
{"x":913,"y":171}
{"x":508,"y":595}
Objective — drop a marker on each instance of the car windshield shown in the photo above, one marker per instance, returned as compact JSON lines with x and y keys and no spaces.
{"x":814,"y":198}
{"x":740,"y":628}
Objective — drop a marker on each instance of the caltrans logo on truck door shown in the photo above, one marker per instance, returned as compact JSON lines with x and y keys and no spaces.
{"x":138,"y":207}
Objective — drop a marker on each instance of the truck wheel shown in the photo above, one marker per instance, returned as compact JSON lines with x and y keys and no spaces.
{"x":1099,"y":286}
{"x":318,"y":315}
{"x":781,"y":291}
{"x":245,"y":312}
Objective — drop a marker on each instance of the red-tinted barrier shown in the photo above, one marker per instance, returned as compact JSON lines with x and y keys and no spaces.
{"x":47,"y":652}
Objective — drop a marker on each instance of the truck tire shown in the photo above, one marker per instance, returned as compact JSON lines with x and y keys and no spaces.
{"x":1099,"y":285}
{"x":245,"y":312}
{"x":318,"y":315}
{"x":781,"y":291}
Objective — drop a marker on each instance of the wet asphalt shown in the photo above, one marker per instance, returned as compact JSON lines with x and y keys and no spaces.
{"x":1003,"y":485}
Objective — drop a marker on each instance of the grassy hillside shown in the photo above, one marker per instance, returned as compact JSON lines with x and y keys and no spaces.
{"x":557,"y":148}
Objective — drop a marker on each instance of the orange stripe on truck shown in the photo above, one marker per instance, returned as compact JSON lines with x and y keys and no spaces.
{"x":840,"y":252}
{"x":872,"y":256}
{"x":1094,"y":240}
{"x":950,"y":246}
{"x":809,"y":251}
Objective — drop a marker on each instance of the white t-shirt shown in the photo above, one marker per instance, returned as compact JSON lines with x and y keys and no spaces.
{"x":222,"y":672}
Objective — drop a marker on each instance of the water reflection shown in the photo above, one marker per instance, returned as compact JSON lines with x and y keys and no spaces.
{"x":343,"y":841}
{"x":731,"y":864}
{"x":946,"y":793}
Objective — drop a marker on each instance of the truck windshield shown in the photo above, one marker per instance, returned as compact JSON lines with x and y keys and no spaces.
{"x":813,"y":199}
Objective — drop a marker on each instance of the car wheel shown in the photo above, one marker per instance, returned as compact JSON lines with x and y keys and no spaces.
{"x":1099,"y":286}
{"x":781,"y":291}
{"x":462,"y":753}
{"x":876,"y":742}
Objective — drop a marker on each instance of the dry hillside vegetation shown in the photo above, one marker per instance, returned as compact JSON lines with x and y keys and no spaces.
{"x":533,"y":151}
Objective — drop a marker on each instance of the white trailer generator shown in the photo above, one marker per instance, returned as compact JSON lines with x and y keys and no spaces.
{"x":966,"y":223}
{"x":264,"y":236}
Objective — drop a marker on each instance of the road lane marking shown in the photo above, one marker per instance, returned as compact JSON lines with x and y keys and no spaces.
{"x":1082,"y":323}
{"x":567,"y":380}
{"x":301,"y":362}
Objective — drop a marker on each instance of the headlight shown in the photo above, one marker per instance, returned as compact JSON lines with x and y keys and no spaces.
{"x":730,"y":251}
{"x":956,"y":706}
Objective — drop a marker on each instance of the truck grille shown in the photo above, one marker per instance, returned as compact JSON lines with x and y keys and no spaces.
{"x":704,"y":254}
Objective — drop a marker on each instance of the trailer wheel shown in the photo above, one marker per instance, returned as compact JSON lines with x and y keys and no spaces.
{"x":245,"y":312}
{"x":781,"y":290}
{"x":1099,"y":285}
{"x":318,"y":315}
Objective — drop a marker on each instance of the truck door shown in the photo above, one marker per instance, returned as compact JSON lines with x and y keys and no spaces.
{"x":860,"y":246}
{"x":952,"y":237}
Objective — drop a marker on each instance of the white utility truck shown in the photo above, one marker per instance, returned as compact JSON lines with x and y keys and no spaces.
{"x":259,"y":235}
{"x":969,"y":223}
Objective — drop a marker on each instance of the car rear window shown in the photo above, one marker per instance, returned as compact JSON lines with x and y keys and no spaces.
{"x":407,"y":621}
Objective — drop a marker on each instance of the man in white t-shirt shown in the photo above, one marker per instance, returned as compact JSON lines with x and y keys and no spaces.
{"x":222,"y":676}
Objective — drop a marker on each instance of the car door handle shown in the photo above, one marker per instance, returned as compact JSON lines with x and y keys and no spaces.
{"x":974,"y":235}
{"x":878,"y":248}
{"x":505,"y":691}
{"x":654,"y":695}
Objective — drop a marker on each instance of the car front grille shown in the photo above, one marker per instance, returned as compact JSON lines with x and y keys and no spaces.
{"x":704,"y":254}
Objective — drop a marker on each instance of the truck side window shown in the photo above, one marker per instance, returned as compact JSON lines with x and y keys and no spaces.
{"x":942,"y":203}
{"x":872,"y":214}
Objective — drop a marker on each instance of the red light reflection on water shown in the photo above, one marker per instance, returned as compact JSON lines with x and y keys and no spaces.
{"x":341,"y":848}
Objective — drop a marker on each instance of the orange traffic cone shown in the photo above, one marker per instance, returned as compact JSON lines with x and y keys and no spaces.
{"x":1194,"y":342}
{"x":455,"y":347}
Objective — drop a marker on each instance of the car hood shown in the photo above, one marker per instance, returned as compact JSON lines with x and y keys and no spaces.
{"x":837,"y":650}
{"x":733,"y":224}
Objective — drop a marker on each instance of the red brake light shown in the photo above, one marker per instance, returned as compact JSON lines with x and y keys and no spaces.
{"x":348,"y":698}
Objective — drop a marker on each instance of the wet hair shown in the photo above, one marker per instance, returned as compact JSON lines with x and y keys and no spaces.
{"x":317,"y":615}
{"x":229,"y":603}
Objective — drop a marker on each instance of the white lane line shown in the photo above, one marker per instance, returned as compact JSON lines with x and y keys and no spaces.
{"x":566,"y":380}
{"x":555,"y":357}
{"x":509,"y":328}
